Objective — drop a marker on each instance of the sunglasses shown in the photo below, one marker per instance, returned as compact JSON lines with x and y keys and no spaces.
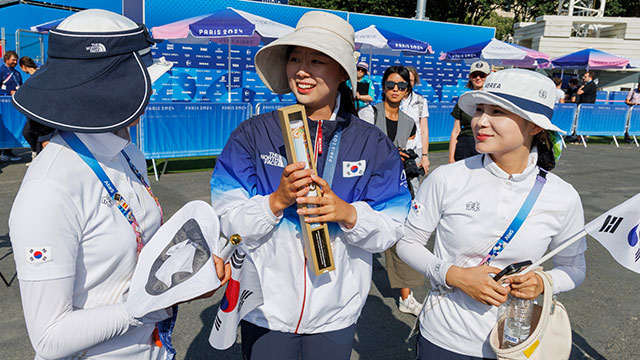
{"x":362,"y":69}
{"x":477,"y":74}
{"x":392,"y":84}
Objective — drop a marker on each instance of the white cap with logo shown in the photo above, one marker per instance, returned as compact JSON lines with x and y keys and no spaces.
{"x":525,"y":93}
{"x":481,"y":66}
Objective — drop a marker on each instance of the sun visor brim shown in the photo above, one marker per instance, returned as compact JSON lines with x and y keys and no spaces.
{"x":95,"y":95}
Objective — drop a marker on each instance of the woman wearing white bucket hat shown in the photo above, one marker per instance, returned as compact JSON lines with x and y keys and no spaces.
{"x":85,"y":209}
{"x":471,"y":203}
{"x":254,"y":191}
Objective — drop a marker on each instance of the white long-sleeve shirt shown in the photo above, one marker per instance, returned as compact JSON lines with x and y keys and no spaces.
{"x":73,"y":292}
{"x":470,"y":204}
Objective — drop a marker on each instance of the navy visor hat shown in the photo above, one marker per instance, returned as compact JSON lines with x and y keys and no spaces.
{"x":92,"y":81}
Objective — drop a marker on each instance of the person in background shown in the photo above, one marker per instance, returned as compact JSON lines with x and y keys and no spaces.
{"x":585,"y":94}
{"x":559,"y":93}
{"x":470,"y":203}
{"x":416,"y":106}
{"x":11,"y":80}
{"x":36,"y":134}
{"x":633,"y":98}
{"x":588,"y":91}
{"x":27,"y":65}
{"x":400,"y":128}
{"x":462,"y":145}
{"x":572,"y":92}
{"x":366,"y":97}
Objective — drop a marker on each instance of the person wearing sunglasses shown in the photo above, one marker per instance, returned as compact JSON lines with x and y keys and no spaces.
{"x":462,"y":145}
{"x":400,"y":128}
{"x":363,"y":97}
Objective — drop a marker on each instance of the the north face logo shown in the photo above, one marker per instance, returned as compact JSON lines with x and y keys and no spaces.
{"x":274,"y":159}
{"x":96,"y":48}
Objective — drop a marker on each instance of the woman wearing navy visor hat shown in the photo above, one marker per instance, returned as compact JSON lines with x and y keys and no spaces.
{"x":88,"y":192}
{"x":471,"y":203}
{"x":253,"y":189}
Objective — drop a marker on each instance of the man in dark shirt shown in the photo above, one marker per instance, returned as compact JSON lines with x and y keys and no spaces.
{"x":572,"y":96}
{"x":588,"y":90}
{"x":10,"y":81}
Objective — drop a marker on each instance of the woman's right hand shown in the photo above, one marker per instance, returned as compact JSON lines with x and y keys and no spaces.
{"x":294,"y":183}
{"x":477,"y":283}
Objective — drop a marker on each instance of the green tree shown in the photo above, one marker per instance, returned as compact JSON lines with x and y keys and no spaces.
{"x":473,"y":12}
{"x":503,"y":25}
{"x":398,"y":8}
{"x":624,"y":8}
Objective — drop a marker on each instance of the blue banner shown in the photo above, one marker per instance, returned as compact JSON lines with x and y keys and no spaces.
{"x":170,"y":130}
{"x":282,"y":2}
{"x":201,"y":72}
{"x":11,"y":125}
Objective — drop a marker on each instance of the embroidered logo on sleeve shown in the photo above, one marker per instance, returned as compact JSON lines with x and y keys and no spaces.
{"x":107,"y":200}
{"x":417,"y":207}
{"x":39,"y":254}
{"x":473,"y":206}
{"x":353,"y":168}
{"x":273,"y":159}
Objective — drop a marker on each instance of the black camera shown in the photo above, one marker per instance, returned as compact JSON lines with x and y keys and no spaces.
{"x":410,"y":167}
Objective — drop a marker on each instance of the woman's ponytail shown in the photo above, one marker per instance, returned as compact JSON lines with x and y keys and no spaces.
{"x":546,"y":160}
{"x":346,"y":99}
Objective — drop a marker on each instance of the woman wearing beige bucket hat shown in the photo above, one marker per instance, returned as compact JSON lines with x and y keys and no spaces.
{"x":365,"y":197}
{"x":505,"y":190}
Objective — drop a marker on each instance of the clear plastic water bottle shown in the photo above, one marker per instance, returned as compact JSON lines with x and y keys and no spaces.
{"x":517,"y":322}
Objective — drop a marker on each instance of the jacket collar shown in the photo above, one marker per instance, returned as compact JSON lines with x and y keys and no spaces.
{"x":336,"y":109}
{"x":495,"y":170}
{"x":105,"y":145}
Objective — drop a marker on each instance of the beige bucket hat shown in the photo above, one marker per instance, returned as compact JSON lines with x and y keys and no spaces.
{"x":317,"y":30}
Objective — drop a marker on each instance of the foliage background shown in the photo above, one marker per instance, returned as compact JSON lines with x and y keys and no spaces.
{"x":473,"y":12}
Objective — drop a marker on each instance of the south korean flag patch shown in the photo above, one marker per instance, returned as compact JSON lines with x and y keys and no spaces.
{"x":353,"y":168}
{"x":417,"y":207}
{"x":38,"y":254}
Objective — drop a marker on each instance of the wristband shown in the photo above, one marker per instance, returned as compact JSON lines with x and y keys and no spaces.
{"x":425,"y":155}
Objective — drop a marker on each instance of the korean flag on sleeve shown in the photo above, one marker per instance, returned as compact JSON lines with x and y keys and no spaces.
{"x":243,"y":295}
{"x":353,"y":168}
{"x":38,"y":254}
{"x":618,"y":230}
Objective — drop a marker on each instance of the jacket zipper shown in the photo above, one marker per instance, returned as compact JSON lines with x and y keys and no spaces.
{"x":304,"y":297}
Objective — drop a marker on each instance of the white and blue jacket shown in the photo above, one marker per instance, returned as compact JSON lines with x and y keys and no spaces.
{"x":249,"y":170}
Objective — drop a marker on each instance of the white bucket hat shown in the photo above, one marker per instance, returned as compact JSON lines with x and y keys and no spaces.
{"x":523,"y":92}
{"x":176,"y":264}
{"x":317,"y":30}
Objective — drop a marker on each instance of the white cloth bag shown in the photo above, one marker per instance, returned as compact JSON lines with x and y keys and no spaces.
{"x":551,"y":331}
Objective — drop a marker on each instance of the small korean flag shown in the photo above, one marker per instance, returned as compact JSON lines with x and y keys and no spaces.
{"x":417,"y":207}
{"x":353,"y":168}
{"x":39,"y":254}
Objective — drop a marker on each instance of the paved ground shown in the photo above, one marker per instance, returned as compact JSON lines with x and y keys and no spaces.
{"x":604,"y":311}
